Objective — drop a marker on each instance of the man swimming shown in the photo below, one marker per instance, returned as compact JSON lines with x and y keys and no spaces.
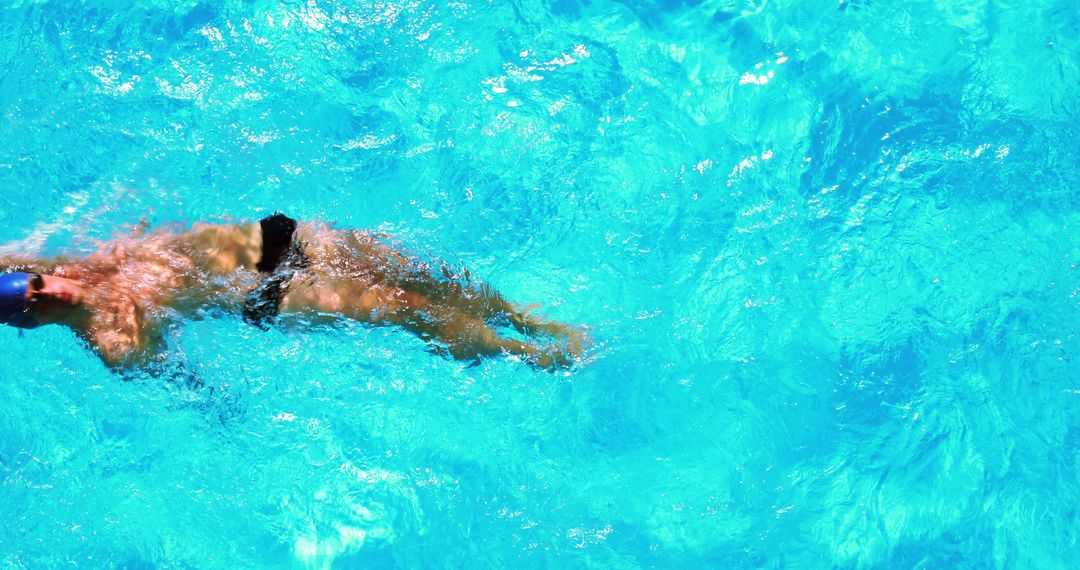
{"x":119,"y":298}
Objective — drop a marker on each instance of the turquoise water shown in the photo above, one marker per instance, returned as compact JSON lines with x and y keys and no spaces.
{"x":826,"y":249}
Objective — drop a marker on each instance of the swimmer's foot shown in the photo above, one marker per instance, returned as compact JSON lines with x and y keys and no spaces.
{"x":551,"y":359}
{"x":564,"y":355}
{"x":524,"y":323}
{"x":521,"y":320}
{"x":577,"y":341}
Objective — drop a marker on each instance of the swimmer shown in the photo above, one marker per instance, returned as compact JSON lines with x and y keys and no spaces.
{"x":120,"y":298}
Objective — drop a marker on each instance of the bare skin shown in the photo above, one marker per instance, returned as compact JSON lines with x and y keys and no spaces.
{"x":119,"y":297}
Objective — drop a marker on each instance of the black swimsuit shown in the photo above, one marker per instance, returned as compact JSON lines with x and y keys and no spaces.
{"x":282,"y":256}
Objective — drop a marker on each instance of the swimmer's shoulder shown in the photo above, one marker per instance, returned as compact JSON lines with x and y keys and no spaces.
{"x":116,"y":330}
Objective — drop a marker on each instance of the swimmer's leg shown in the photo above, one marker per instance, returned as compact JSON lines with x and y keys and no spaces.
{"x":533,"y":326}
{"x":482,"y":301}
{"x":468,"y":337}
{"x":539,"y":356}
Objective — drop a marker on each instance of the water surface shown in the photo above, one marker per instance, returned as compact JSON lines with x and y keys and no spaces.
{"x":826,"y":250}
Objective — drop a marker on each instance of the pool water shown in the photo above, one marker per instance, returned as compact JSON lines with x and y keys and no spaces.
{"x":826,"y":250}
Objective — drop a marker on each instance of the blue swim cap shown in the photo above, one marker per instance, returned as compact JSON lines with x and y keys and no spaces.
{"x":13,"y":300}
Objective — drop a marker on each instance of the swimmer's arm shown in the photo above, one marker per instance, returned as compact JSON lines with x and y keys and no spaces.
{"x":148,"y":357}
{"x":119,"y":351}
{"x":120,"y":338}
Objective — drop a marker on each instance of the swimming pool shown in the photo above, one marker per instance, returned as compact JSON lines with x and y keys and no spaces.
{"x":826,"y":250}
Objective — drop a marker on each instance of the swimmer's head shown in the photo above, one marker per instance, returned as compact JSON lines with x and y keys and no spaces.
{"x":15,"y":295}
{"x":28,"y":300}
